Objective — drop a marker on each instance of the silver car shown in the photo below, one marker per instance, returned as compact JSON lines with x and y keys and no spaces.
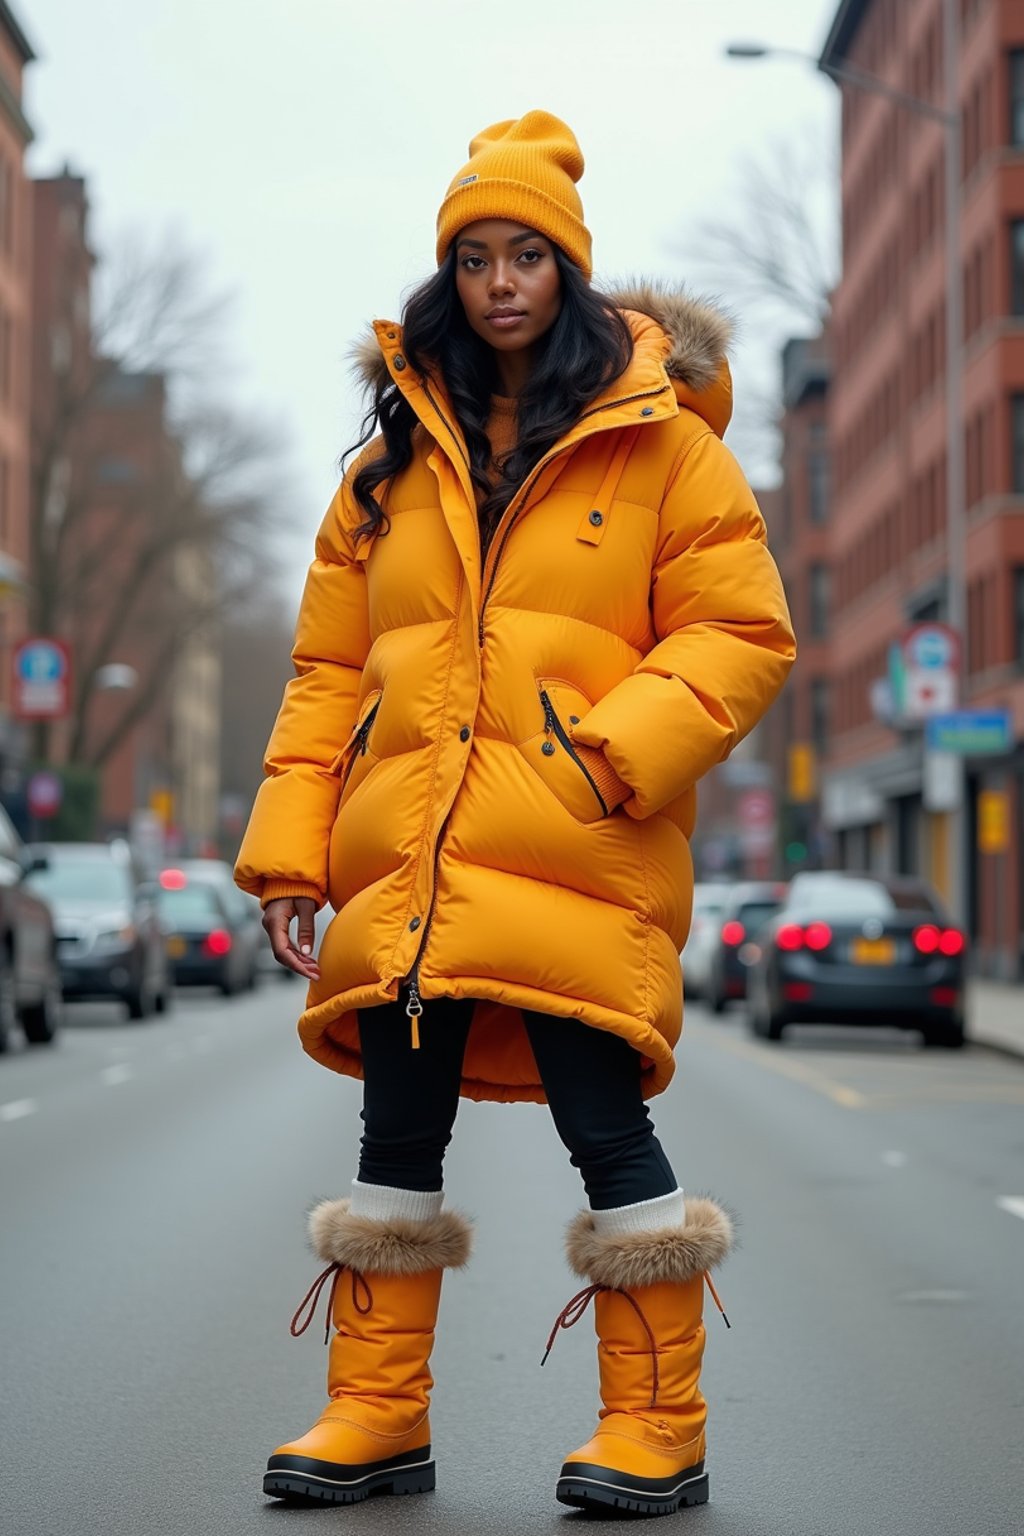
{"x":709,"y":901}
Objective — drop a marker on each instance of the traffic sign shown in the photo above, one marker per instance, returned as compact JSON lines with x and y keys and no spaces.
{"x":45,"y":791}
{"x":928,"y":673}
{"x":971,"y":732}
{"x":42,"y":679}
{"x":755,"y":810}
{"x":993,"y":821}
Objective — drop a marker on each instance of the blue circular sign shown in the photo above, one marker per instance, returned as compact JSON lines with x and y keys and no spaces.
{"x":931,"y":649}
{"x":41,"y":662}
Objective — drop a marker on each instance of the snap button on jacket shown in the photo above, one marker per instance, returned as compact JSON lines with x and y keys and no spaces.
{"x":603,"y":666}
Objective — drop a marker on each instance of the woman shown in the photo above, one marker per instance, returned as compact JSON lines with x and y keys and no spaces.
{"x":541,"y":608}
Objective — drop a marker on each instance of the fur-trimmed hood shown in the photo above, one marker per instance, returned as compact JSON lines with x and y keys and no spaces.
{"x":687,"y":336}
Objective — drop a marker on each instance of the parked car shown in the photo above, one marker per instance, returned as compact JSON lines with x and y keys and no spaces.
{"x":109,"y":939}
{"x":735,"y":948}
{"x":244,"y":911}
{"x":211,"y":940}
{"x":861,"y":949}
{"x":30,"y":993}
{"x":709,"y":901}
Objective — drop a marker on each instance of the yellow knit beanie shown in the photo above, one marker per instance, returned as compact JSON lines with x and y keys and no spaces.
{"x":523,"y":169}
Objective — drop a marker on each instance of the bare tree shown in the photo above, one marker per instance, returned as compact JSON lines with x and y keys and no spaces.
{"x":778,"y":251}
{"x":133,"y":466}
{"x":775,"y":254}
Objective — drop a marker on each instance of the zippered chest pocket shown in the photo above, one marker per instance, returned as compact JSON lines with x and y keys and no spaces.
{"x":552,"y":755}
{"x":357,"y":745}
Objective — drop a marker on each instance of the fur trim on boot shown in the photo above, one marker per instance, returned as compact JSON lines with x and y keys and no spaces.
{"x":627,"y":1260}
{"x":391,"y":1247}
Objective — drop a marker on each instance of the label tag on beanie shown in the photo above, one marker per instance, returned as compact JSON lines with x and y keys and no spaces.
{"x":465,"y":181}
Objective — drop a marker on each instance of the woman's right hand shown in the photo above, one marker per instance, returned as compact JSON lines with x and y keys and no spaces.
{"x":277,"y":917}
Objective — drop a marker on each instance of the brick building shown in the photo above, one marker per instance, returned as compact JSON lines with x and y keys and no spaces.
{"x":114,"y":581}
{"x":886,"y":544}
{"x":15,"y":302}
{"x":795,"y":735}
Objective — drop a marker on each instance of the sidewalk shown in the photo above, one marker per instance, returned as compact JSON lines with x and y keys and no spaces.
{"x":995,"y":1015}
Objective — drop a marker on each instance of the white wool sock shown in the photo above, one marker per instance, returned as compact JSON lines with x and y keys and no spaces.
{"x":646,"y":1216}
{"x":380,"y":1202}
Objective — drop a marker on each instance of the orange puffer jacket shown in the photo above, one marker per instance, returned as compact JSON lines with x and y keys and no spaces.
{"x":489,"y":771}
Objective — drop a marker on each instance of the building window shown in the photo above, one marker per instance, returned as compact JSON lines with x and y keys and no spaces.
{"x":1017,"y":443}
{"x":818,"y":473}
{"x":1017,"y":267}
{"x":820,"y":593}
{"x":1018,"y":615}
{"x":819,"y":715}
{"x":1016,"y":62}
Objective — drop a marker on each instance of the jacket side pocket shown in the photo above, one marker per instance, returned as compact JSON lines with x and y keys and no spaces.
{"x":357,"y":743}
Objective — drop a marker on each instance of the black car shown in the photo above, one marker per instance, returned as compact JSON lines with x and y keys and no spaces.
{"x":30,"y":992}
{"x":243,"y":910}
{"x":208,"y":938}
{"x":749,"y":907}
{"x":109,"y":939}
{"x":861,"y":949}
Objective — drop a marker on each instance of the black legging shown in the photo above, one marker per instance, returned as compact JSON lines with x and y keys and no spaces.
{"x":591,"y":1078}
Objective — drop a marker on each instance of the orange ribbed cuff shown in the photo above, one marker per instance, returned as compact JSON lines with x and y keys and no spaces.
{"x":274,"y":890}
{"x":612,"y":789}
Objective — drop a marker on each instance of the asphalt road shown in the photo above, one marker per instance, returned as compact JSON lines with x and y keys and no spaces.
{"x":153,"y":1182}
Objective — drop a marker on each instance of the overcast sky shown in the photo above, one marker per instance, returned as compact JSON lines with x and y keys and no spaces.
{"x":304,"y":147}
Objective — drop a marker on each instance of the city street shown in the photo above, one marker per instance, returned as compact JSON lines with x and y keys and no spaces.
{"x":153,"y":1182}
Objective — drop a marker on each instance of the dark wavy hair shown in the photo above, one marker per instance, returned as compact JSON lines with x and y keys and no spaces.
{"x":588,"y":347}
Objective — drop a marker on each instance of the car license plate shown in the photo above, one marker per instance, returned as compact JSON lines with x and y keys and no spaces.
{"x":873,"y":952}
{"x":176,"y":946}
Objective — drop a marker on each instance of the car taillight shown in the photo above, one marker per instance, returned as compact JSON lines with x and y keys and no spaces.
{"x":945,"y":941}
{"x":945,"y":997}
{"x":733,"y":934}
{"x":217,"y":942}
{"x":817,"y":935}
{"x":790,"y":937}
{"x":793,"y":936}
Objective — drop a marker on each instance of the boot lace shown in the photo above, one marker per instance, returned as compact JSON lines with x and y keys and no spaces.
{"x":577,"y":1305}
{"x":362,"y":1298}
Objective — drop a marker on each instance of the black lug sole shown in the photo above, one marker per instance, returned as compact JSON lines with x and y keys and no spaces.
{"x":304,"y":1487}
{"x":606,"y":1494}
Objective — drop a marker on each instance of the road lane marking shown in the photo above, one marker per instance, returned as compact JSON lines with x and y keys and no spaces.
{"x":119,"y":1073}
{"x":1012,"y":1203}
{"x":798,"y":1072}
{"x":933,"y":1297}
{"x":17,"y":1109}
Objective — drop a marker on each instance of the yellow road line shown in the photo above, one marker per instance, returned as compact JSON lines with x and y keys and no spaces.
{"x":783,"y":1066}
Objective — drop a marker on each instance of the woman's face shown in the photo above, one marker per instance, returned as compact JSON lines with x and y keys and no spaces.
{"x":508,"y":283}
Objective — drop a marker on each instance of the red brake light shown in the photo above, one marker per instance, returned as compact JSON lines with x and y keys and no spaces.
{"x":733,"y":934}
{"x":926,"y":939}
{"x":951,"y":942}
{"x":217,"y":942}
{"x":790,"y":937}
{"x":173,"y":879}
{"x":817,"y":935}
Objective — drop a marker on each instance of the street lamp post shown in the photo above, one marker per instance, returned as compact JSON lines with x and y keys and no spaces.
{"x":948,"y":116}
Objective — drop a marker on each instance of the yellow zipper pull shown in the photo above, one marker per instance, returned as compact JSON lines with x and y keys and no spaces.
{"x":414,"y":1011}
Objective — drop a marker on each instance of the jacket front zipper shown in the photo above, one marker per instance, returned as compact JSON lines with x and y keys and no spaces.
{"x":552,"y":723}
{"x":528,"y":484}
{"x":360,"y":743}
{"x":414,"y":1003}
